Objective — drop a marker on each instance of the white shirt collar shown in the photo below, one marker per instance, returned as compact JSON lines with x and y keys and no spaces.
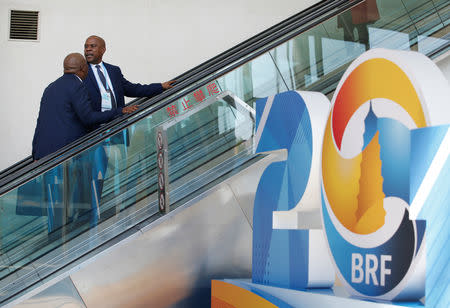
{"x":93,"y":65}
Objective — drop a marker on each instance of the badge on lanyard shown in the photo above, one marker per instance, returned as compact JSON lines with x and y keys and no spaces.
{"x":106,"y":99}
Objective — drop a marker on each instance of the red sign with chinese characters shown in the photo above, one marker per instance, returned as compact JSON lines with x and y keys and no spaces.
{"x":195,"y":97}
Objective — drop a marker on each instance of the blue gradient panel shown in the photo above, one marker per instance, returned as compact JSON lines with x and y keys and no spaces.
{"x":394,"y":154}
{"x":53,"y":180}
{"x":370,"y":126}
{"x":280,"y":257}
{"x":426,"y":142}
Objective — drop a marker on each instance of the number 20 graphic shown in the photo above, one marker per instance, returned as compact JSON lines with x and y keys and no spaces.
{"x":283,"y":250}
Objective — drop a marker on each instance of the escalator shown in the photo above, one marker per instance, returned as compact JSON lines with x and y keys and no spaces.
{"x":89,"y":217}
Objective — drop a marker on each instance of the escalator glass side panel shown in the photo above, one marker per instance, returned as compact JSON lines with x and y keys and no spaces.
{"x":317,"y":58}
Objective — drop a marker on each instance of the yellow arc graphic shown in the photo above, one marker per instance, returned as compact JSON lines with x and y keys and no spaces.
{"x":374,"y":78}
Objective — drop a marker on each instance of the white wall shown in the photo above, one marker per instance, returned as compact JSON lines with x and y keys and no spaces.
{"x":152,"y":41}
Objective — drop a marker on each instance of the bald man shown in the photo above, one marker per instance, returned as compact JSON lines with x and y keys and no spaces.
{"x":65,"y":112}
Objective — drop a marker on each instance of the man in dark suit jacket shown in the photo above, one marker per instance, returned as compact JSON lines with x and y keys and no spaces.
{"x":114,"y":83}
{"x":66,"y":114}
{"x":65,"y":111}
{"x":107,"y":89}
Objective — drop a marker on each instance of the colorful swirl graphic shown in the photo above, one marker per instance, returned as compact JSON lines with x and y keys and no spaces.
{"x":365,"y":175}
{"x":374,"y":78}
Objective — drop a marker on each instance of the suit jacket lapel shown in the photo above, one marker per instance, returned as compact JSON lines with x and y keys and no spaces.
{"x":112,"y":77}
{"x":91,"y":76}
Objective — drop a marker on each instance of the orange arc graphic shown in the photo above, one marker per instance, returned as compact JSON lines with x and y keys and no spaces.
{"x":374,"y":78}
{"x":227,"y":295}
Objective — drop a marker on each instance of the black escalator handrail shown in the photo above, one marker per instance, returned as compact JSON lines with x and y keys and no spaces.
{"x":318,"y":13}
{"x":17,"y":166}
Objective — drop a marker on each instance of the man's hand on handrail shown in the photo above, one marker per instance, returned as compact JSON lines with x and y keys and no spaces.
{"x":168,"y":84}
{"x":129,"y":109}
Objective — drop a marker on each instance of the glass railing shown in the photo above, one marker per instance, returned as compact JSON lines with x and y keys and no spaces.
{"x":100,"y":192}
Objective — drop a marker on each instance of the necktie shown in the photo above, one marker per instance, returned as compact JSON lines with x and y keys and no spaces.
{"x":105,"y":85}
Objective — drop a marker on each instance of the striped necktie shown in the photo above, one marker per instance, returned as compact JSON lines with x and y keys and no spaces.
{"x":105,"y":85}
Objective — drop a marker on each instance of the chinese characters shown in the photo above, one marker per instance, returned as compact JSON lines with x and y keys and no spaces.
{"x":197,"y":96}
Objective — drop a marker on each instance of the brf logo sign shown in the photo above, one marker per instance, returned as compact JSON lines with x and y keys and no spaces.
{"x":372,"y":177}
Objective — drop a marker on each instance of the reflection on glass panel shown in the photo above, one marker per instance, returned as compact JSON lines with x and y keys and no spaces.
{"x":75,"y":197}
{"x":316,"y":58}
{"x":355,"y":22}
{"x":219,"y":134}
{"x":300,"y":60}
{"x":424,"y":15}
{"x":428,"y":44}
{"x":382,"y":38}
{"x":239,"y":81}
{"x":258,"y":78}
{"x":393,"y":16}
{"x":443,"y":10}
{"x":266,"y":79}
{"x":16,"y":227}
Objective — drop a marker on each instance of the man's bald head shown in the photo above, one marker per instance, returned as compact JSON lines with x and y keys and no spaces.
{"x":94,"y":48}
{"x":75,"y":63}
{"x":100,"y":40}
